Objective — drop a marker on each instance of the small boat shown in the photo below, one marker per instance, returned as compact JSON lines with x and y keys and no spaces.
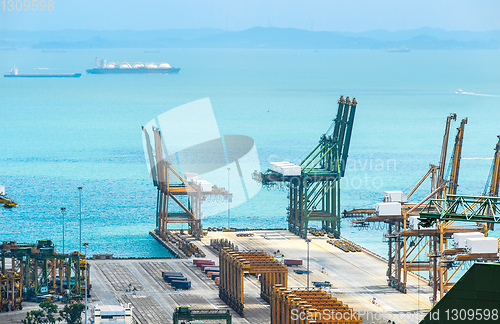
{"x":398,"y":49}
{"x":13,"y":73}
{"x":459,"y":91}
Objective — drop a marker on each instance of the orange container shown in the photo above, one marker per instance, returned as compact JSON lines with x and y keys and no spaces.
{"x":217,"y":280}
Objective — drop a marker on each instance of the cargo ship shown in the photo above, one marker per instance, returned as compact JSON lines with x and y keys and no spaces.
{"x":132,"y":68}
{"x":13,"y":73}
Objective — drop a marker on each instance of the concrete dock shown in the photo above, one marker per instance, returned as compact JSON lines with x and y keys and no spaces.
{"x":356,"y":278}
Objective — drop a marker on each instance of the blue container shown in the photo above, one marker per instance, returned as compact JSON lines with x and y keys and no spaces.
{"x":181,"y":284}
{"x":215,"y":275}
{"x":170,"y":273}
{"x":211,"y":269}
{"x":170,"y":279}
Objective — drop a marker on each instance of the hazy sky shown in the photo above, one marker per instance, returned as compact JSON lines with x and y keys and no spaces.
{"x":332,"y":15}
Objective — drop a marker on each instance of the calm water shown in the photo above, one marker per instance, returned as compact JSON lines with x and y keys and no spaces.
{"x":58,"y":134}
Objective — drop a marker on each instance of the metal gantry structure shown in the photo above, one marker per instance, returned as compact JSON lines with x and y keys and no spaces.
{"x":315,"y":194}
{"x":403,"y":243}
{"x":309,"y":306}
{"x":185,"y":313}
{"x":233,"y":264}
{"x":40,"y":270}
{"x":413,"y":248}
{"x":172,"y":188}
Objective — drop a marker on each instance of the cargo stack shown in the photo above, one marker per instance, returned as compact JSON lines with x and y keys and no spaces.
{"x":176,"y":280}
{"x":209,"y":268}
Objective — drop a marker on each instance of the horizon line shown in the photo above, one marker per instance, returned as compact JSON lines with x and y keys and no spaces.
{"x":239,"y":30}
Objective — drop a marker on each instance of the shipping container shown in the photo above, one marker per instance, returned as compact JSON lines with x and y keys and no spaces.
{"x":205,"y":185}
{"x":388,"y":209}
{"x":481,"y":245}
{"x":275,"y":165}
{"x":394,"y":196}
{"x":191,"y":176}
{"x":217,"y":281}
{"x":195,"y":261}
{"x":210,"y":273}
{"x":212,"y":269}
{"x":163,"y":273}
{"x":290,"y":170}
{"x":179,"y":278}
{"x":290,"y":262}
{"x":202,"y":263}
{"x":215,"y":275}
{"x":205,"y":266}
{"x":181,"y":284}
{"x":459,"y":238}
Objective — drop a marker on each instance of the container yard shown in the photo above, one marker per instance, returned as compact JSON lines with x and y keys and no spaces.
{"x":355,"y":281}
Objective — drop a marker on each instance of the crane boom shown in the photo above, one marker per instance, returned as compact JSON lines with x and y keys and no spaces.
{"x":444,"y":149}
{"x":457,"y":154}
{"x":495,"y":174}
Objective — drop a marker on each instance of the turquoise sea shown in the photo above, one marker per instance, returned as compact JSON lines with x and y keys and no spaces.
{"x":58,"y":134}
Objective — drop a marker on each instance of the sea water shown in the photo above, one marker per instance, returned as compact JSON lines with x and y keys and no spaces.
{"x":59,"y":134}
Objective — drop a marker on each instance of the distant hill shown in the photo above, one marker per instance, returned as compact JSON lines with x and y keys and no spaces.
{"x":258,"y":37}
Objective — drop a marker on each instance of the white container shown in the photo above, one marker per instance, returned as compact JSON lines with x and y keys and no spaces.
{"x":459,"y":238}
{"x":481,"y":245}
{"x":394,"y":196}
{"x":388,"y":209}
{"x":2,"y":190}
{"x":275,"y":165}
{"x":290,"y":170}
{"x":205,"y":185}
{"x":191,"y":176}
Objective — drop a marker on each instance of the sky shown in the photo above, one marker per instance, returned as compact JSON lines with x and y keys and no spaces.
{"x":317,"y":15}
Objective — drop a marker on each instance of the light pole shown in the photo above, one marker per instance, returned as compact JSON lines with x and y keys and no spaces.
{"x":228,"y":201}
{"x":80,"y":192}
{"x":308,"y":241}
{"x":86,"y":276}
{"x":63,"y":210}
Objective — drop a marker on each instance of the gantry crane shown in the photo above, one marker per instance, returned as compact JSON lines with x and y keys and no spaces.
{"x":315,"y":192}
{"x":407,"y":240}
{"x":443,"y":258}
{"x":407,"y":244}
{"x":38,"y":270}
{"x":174,"y":189}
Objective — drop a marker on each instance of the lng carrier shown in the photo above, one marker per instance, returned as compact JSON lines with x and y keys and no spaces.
{"x":132,"y":68}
